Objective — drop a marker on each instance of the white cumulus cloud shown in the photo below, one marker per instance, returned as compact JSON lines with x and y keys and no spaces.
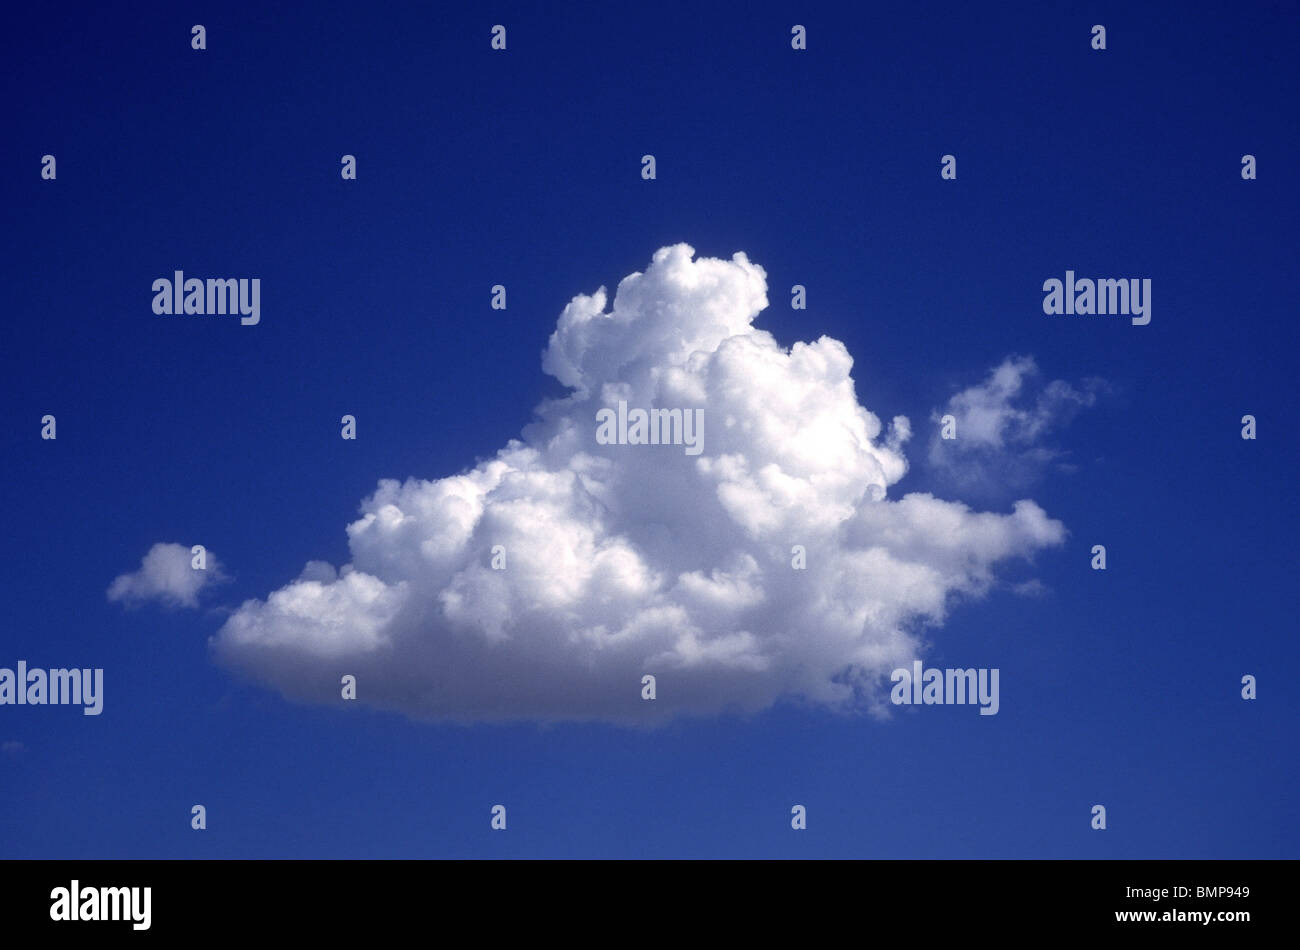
{"x":166,"y":575}
{"x":622,"y":560}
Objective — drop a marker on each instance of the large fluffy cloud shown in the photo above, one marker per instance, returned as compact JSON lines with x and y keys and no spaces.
{"x":622,"y":560}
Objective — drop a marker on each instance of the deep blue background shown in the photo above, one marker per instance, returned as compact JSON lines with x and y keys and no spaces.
{"x":523,"y":168}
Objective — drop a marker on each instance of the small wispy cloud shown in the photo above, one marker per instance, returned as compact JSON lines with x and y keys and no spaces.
{"x":1003,"y":427}
{"x":167,"y":576}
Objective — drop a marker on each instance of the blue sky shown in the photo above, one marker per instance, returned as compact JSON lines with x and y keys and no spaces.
{"x":523,"y":168}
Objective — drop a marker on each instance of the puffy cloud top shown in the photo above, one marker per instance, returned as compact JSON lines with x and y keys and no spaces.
{"x":622,"y":560}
